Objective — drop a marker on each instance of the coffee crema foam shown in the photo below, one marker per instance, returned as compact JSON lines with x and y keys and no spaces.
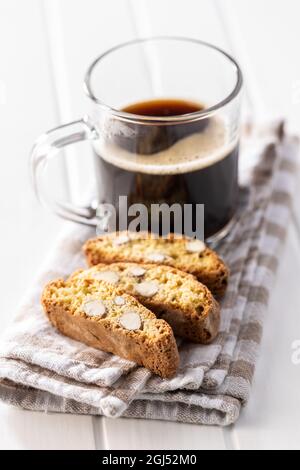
{"x":188,"y":154}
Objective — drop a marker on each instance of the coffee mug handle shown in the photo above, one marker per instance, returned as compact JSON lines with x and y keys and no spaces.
{"x":48,"y":146}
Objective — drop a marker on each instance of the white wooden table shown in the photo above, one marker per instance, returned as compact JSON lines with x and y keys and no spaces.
{"x":45,"y":47}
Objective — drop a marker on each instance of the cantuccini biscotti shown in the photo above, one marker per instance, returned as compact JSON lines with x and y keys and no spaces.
{"x":188,"y":255}
{"x":177,"y":297}
{"x":94,"y":313}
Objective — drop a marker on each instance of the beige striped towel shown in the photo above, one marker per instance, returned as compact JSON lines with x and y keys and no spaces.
{"x":42,"y":370}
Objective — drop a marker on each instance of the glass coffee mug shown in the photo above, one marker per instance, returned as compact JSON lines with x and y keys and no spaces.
{"x":164,"y":127}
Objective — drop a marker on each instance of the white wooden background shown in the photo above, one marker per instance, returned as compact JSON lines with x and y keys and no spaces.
{"x":45,"y":47}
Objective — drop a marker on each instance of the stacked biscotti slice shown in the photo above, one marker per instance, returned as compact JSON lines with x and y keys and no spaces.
{"x":191,"y":256}
{"x":139,"y":292}
{"x":177,"y":297}
{"x":94,"y":313}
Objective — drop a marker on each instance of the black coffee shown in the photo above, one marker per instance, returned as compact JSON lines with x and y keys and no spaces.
{"x":152,"y":138}
{"x":187,"y":162}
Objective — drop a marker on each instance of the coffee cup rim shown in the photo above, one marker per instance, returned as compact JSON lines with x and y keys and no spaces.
{"x":181,"y":118}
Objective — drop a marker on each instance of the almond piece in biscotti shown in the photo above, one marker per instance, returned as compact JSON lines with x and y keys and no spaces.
{"x":137,"y":271}
{"x":147,"y":288}
{"x":195,"y":246}
{"x":119,"y":300}
{"x":93,"y":308}
{"x":108,"y":276}
{"x":156,"y":257}
{"x":130,"y":320}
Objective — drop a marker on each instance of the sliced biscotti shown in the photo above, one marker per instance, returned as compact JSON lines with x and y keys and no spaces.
{"x":183,"y":253}
{"x":177,"y":297}
{"x":97,"y":315}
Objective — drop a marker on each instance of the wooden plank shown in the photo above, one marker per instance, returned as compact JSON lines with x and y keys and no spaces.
{"x":199,"y":20}
{"x":203,"y":19}
{"x":266,"y":42}
{"x":275,"y":82}
{"x":109,"y":23}
{"x":102,"y":25}
{"x":267,"y":58}
{"x":271,"y":419}
{"x":27,"y":108}
{"x":41,"y":431}
{"x":161,"y":435}
{"x":79,"y":31}
{"x":86,"y":28}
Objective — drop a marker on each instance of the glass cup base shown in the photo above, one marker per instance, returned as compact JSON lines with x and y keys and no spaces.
{"x":214,"y":239}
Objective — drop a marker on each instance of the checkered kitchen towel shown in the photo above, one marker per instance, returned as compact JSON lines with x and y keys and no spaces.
{"x":42,"y":370}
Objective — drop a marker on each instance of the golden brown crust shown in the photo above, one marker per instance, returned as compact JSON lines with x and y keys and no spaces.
{"x":152,"y":346}
{"x":186,"y":304}
{"x":206,"y":266}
